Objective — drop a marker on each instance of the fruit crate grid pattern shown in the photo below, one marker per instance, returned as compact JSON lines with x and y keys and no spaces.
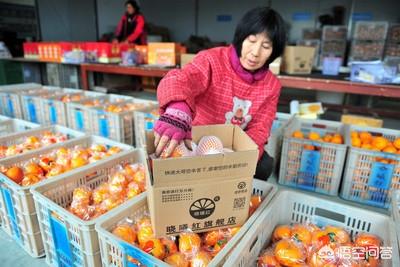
{"x":361,"y":171}
{"x":11,"y":104}
{"x":12,"y":126}
{"x":17,"y":138}
{"x":78,"y":115}
{"x":302,"y":208}
{"x":117,"y":126}
{"x":68,"y":240}
{"x":5,"y":89}
{"x":63,"y":75}
{"x":17,"y":209}
{"x":396,"y":212}
{"x":54,"y":111}
{"x":327,"y":167}
{"x":115,"y":251}
{"x":144,"y":124}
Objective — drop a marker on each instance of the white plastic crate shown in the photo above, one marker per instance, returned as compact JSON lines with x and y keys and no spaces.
{"x":396,"y":212}
{"x":294,"y":207}
{"x":11,"y":126}
{"x":68,"y":240}
{"x":54,"y":111}
{"x":17,"y":138}
{"x":78,"y":115}
{"x":319,"y":171}
{"x":365,"y":180}
{"x":274,"y":145}
{"x":117,"y":126}
{"x":114,"y":251}
{"x":17,"y":209}
{"x":144,"y":124}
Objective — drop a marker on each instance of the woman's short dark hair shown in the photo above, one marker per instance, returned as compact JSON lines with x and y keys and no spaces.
{"x":134,"y":4}
{"x":258,"y":20}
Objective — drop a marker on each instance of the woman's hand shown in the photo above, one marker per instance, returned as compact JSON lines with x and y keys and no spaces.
{"x":174,"y":126}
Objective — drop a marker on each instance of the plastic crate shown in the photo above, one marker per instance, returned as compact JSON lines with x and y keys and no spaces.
{"x":10,"y":101}
{"x":30,"y":102}
{"x":144,"y":124}
{"x":68,"y":240}
{"x":114,"y":251}
{"x":363,"y":181}
{"x":116,"y":126}
{"x":17,"y":209}
{"x":17,"y":138}
{"x":366,"y":50}
{"x":396,"y":212}
{"x":333,"y":47}
{"x":274,"y":145}
{"x":392,"y":50}
{"x":31,"y":72}
{"x":319,"y":171}
{"x":394,"y":33}
{"x":54,"y":111}
{"x":371,"y":30}
{"x":302,"y":208}
{"x":334,"y":33}
{"x":12,"y":126}
{"x":78,"y":115}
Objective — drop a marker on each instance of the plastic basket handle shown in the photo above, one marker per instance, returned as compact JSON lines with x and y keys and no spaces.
{"x":317,"y":125}
{"x":327,"y":214}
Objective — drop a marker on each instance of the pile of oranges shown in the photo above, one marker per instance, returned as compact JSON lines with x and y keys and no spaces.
{"x":188,"y":249}
{"x":59,"y":161}
{"x":71,"y":98}
{"x":309,"y":245}
{"x":118,"y":108}
{"x":127,"y":182}
{"x":366,"y":140}
{"x":32,"y":142}
{"x":334,"y":138}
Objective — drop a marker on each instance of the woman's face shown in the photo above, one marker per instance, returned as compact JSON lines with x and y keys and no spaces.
{"x":256,"y":49}
{"x":130,"y":9}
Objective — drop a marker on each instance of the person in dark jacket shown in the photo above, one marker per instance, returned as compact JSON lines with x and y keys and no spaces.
{"x":131,"y":28}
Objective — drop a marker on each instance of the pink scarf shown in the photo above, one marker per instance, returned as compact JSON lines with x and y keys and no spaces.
{"x":245,"y":75}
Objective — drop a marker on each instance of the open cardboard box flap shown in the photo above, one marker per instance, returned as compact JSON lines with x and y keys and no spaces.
{"x":240,"y":163}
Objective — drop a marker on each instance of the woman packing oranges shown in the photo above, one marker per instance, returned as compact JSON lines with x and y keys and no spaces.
{"x":226,"y":85}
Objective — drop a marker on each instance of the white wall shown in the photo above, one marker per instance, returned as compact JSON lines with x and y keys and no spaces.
{"x":71,"y":20}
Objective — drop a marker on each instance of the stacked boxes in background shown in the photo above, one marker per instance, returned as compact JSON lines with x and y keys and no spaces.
{"x":334,"y":39}
{"x":63,"y":75}
{"x":368,"y":42}
{"x":393,"y":42}
{"x":312,"y":43}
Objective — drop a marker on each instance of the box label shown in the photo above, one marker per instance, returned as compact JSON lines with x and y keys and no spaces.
{"x":381,"y":175}
{"x":79,"y":120}
{"x":61,"y":241}
{"x":135,"y":257}
{"x":309,"y":168}
{"x":11,"y":213}
{"x":10,"y":107}
{"x":103,"y":124}
{"x":31,"y":109}
{"x":53,"y":113}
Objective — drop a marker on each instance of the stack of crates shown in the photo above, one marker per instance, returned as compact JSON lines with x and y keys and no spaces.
{"x":334,"y":40}
{"x":370,"y":175}
{"x":63,"y":75}
{"x":393,"y":42}
{"x":396,"y":212}
{"x":368,"y":42}
{"x":10,"y":126}
{"x":144,"y":124}
{"x":314,"y":165}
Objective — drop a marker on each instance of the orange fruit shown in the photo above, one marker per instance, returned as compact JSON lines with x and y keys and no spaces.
{"x":337,"y":139}
{"x":338,"y":234}
{"x":189,"y":243}
{"x":145,"y":234}
{"x":366,"y":146}
{"x":30,"y":179}
{"x":366,"y":239}
{"x":255,"y":201}
{"x":82,"y":195}
{"x":365,"y":136}
{"x":78,"y":162}
{"x":390,"y":149}
{"x":288,"y":253}
{"x":15,"y":173}
{"x":100,"y":193}
{"x":133,"y":190}
{"x":267,"y":260}
{"x":356,"y":142}
{"x":154,"y":247}
{"x":177,"y":260}
{"x":200,"y":259}
{"x":354,"y":134}
{"x":142,"y":222}
{"x":126,"y":233}
{"x":55,"y":170}
{"x":302,"y":233}
{"x":309,"y":147}
{"x":380,"y":142}
{"x":281,"y":232}
{"x":113,"y":150}
{"x":327,"y":138}
{"x":211,"y":238}
{"x":327,"y":260}
{"x":396,"y":143}
{"x":314,"y":136}
{"x":170,"y":245}
{"x":233,"y":231}
{"x":33,"y":168}
{"x":298,"y":134}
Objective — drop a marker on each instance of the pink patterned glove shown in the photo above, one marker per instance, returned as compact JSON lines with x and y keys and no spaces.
{"x":176,"y":122}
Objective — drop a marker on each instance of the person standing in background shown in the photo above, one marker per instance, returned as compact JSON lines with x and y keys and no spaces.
{"x":131,"y":28}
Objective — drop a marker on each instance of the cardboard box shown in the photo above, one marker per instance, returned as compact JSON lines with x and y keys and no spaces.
{"x":165,"y":54}
{"x":361,"y":121}
{"x":186,"y":58}
{"x":298,"y":59}
{"x":275,"y":66}
{"x":203,"y":192}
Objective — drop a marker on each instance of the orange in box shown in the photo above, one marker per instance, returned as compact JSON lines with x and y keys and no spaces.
{"x":163,"y":54}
